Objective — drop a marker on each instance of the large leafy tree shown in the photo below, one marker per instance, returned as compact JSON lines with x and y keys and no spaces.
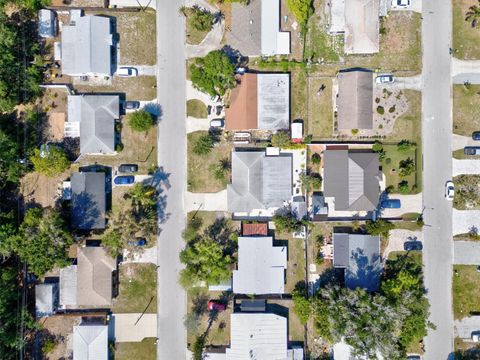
{"x":302,"y":9}
{"x":10,"y":169}
{"x":51,"y":164}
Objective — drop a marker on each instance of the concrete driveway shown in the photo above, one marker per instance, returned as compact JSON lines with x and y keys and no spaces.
{"x":415,"y":5}
{"x":412,"y":82}
{"x":127,"y":331}
{"x":147,"y":70}
{"x":146,"y":256}
{"x":398,"y":237}
{"x":465,"y":220}
{"x":468,"y":167}
{"x":465,"y":327}
{"x":459,"y":142}
{"x":466,"y":252}
{"x":409,"y":204}
{"x":465,"y":70}
{"x":206,"y":201}
{"x":194,"y":124}
{"x":213,"y":41}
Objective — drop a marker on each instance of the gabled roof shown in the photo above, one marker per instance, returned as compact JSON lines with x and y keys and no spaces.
{"x":359,"y":255}
{"x":261,"y":266}
{"x":86,"y":46}
{"x":90,"y":342}
{"x":88,"y":200}
{"x":96,"y":115}
{"x":362,"y":26}
{"x":94,"y":277}
{"x":259,"y":181}
{"x":242,"y":112}
{"x":352,"y":178}
{"x":355,"y":100}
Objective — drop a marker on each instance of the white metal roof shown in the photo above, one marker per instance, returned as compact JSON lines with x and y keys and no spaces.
{"x":261,"y":266}
{"x":68,"y":286}
{"x":46,"y":296}
{"x":274,"y":41}
{"x":273,"y":101}
{"x":337,"y":16}
{"x":90,"y":342}
{"x":297,"y":130}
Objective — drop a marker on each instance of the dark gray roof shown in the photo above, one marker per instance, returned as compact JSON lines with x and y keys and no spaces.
{"x":359,"y":255}
{"x":259,"y":181}
{"x":86,"y":46}
{"x":96,"y":115}
{"x":88,"y":200}
{"x":246,"y":29}
{"x":352,"y":178}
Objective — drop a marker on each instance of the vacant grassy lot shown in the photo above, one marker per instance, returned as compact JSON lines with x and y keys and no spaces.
{"x":466,"y":109}
{"x":465,"y":290}
{"x":144,"y":350}
{"x":135,"y":88}
{"x":465,"y":38}
{"x":196,"y":109}
{"x":138,"y":287}
{"x":391,"y":167}
{"x":320,"y":112}
{"x":200,"y":174}
{"x":467,"y":192}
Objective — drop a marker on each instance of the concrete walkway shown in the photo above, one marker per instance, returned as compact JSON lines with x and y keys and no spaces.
{"x":194,"y":124}
{"x":412,"y":83}
{"x":466,"y":253}
{"x":464,"y":221}
{"x":127,"y":331}
{"x":459,"y":142}
{"x":211,"y":42}
{"x":465,"y":167}
{"x":206,"y":201}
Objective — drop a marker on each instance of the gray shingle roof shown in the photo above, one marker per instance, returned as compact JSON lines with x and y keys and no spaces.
{"x":88,"y":200}
{"x":259,"y":181}
{"x":352,"y":178}
{"x":86,"y":46}
{"x":96,"y":115}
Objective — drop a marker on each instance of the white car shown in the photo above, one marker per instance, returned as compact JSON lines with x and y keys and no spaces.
{"x":402,"y":3}
{"x":217,"y":123}
{"x":385,"y":79}
{"x":449,"y":190}
{"x":476,"y":336}
{"x":127,"y":72}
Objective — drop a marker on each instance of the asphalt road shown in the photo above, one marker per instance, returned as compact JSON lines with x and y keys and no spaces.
{"x":437,"y":154}
{"x":172,"y":161}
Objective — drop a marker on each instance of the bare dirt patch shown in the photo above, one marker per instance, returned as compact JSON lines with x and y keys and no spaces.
{"x":61,"y":328}
{"x":42,"y":190}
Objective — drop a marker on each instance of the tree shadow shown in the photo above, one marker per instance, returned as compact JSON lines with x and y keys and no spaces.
{"x":85,"y":211}
{"x":154,"y":109}
{"x":364,"y":272}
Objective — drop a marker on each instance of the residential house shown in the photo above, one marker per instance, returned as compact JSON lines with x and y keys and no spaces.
{"x":259,"y":181}
{"x":359,"y":255}
{"x":255,"y":29}
{"x":87,"y":46}
{"x":88,"y":200}
{"x":47,"y":23}
{"x":359,"y":21}
{"x":354,"y":101}
{"x":260,"y":101}
{"x":351,"y":179}
{"x":261,"y":266}
{"x":92,"y":117}
{"x":90,"y":342}
{"x":46,"y":299}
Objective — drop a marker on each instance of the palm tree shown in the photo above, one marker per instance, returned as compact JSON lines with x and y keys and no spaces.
{"x":473,"y":15}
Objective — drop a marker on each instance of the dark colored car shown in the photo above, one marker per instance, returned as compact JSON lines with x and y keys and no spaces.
{"x":217,"y":306}
{"x":128,"y":168}
{"x":471,"y":150}
{"x":218,"y":109}
{"x":391,"y":204}
{"x":476,"y":135}
{"x":412,"y":245}
{"x":414,"y":357}
{"x":137,"y":242}
{"x":131,"y":105}
{"x":209,"y":109}
{"x":124,"y":180}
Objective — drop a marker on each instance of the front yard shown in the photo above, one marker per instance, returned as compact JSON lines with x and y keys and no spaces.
{"x":467,"y":192}
{"x":140,"y":88}
{"x":465,"y":37}
{"x":466,"y":105}
{"x":144,"y":350}
{"x":465,"y":290}
{"x":391,"y":168}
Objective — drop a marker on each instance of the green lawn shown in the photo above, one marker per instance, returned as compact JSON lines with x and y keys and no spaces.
{"x":466,"y":290}
{"x":321,"y":46}
{"x":193,"y":36}
{"x":144,"y":350}
{"x":296,"y":261}
{"x":465,"y":38}
{"x":296,"y":330}
{"x":466,"y":109}
{"x":299,"y":95}
{"x":391,"y":167}
{"x":320,"y":108}
{"x":196,"y":109}
{"x":138,"y":285}
{"x":467,"y":192}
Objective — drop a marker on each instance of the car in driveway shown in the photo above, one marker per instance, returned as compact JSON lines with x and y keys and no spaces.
{"x":476,"y":336}
{"x":128,"y":168}
{"x":217,"y":123}
{"x":125,"y":71}
{"x":385,"y":79}
{"x":391,"y":204}
{"x":414,"y":357}
{"x":402,"y":3}
{"x":471,"y":150}
{"x":131,"y":105}
{"x":449,"y":190}
{"x":412,"y":245}
{"x":476,"y":135}
{"x":215,"y":305}
{"x":137,"y":242}
{"x":124,"y":180}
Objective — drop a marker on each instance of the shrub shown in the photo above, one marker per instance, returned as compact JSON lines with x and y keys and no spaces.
{"x":140,"y":121}
{"x":354,"y":131}
{"x":281,"y":139}
{"x":302,"y":10}
{"x":388,"y":161}
{"x":203,"y":145}
{"x":380,"y":110}
{"x":377,"y":100}
{"x":377,"y":147}
{"x":405,"y":146}
{"x":48,"y":345}
{"x":301,"y":306}
{"x":379,"y":227}
{"x":316,"y":158}
{"x":118,"y":147}
{"x":201,"y":19}
{"x":403,"y":187}
{"x":391,"y":109}
{"x":407,"y":167}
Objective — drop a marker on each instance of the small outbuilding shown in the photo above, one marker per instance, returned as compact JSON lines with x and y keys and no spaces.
{"x":47,"y":23}
{"x":46,"y":299}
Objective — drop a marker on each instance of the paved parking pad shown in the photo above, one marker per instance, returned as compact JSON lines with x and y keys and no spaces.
{"x":466,"y":252}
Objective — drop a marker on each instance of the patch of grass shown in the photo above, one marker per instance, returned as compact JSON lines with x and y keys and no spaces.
{"x":320,"y":108}
{"x":299,"y":94}
{"x":465,"y":38}
{"x":415,"y":255}
{"x":144,"y":350}
{"x":196,"y":109}
{"x":296,"y":261}
{"x":409,"y":125}
{"x":391,"y":168}
{"x":138,"y":285}
{"x":466,"y":104}
{"x":321,"y":46}
{"x":410,"y":216}
{"x":200,"y":177}
{"x":465,"y":290}
{"x":284,"y":308}
{"x":193,"y":35}
{"x":467,"y":192}
{"x":135,"y":88}
{"x":408,"y":225}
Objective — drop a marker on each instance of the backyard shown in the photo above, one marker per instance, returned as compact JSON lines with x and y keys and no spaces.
{"x":320,"y":119}
{"x":467,"y":192}
{"x":140,"y":88}
{"x":465,"y":290}
{"x":465,"y":37}
{"x":143,"y":350}
{"x":466,"y":102}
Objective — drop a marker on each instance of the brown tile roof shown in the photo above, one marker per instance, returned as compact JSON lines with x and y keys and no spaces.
{"x":242,"y":113}
{"x":255,"y":229}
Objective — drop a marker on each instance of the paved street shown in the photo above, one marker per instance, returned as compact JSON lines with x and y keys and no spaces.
{"x":466,"y":252}
{"x":437,"y":139}
{"x":172,"y":159}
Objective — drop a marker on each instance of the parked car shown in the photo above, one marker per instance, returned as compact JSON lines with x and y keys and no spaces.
{"x":127,"y":71}
{"x":209,"y":109}
{"x":217,"y":123}
{"x":402,"y":3}
{"x":476,"y":336}
{"x":131,"y":105}
{"x":218,"y":110}
{"x":471,"y":150}
{"x":391,"y":204}
{"x":385,"y":79}
{"x":137,"y":242}
{"x":476,"y":135}
{"x":414,"y":357}
{"x":215,"y":305}
{"x":449,"y":190}
{"x":412,"y":245}
{"x":128,"y":168}
{"x":124,"y":180}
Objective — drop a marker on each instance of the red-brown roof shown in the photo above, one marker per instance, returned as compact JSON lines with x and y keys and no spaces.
{"x":255,"y":229}
{"x":242,"y":112}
